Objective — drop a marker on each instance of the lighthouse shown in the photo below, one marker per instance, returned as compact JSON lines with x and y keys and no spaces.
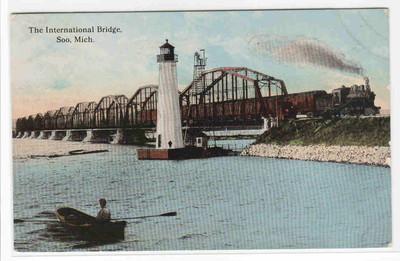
{"x":169,"y":126}
{"x":169,"y":140}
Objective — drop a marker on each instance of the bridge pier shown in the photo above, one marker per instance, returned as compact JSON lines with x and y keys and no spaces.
{"x":74,"y":135}
{"x":78,"y":135}
{"x":89,"y":136}
{"x":43,"y":135}
{"x":97,"y":136}
{"x":67,"y":136}
{"x":33,"y":135}
{"x":26,"y":134}
{"x":118,"y":137}
{"x":19,"y":135}
{"x":57,"y":135}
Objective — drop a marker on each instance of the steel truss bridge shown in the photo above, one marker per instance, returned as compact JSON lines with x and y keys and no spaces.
{"x":218,"y":98}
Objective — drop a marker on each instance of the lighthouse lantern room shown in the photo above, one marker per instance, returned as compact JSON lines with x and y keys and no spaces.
{"x":167,"y":53}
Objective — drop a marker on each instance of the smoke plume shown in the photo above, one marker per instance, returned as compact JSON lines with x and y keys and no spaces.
{"x":302,"y":51}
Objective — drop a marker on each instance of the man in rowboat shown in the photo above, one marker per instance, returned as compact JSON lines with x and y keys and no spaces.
{"x":104,"y":214}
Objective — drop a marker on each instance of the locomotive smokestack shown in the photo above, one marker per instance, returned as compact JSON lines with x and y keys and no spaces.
{"x":366,"y":79}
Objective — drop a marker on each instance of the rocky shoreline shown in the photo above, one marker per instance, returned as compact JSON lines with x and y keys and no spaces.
{"x":379,"y":156}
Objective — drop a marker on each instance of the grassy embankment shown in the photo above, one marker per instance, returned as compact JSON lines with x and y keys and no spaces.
{"x":344,"y":132}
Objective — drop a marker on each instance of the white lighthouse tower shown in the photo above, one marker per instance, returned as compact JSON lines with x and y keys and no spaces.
{"x":169,"y":127}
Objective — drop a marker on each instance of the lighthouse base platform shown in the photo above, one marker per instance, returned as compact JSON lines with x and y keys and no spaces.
{"x":181,"y":153}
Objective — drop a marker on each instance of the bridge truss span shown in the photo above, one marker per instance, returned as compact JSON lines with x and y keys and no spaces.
{"x":83,"y":115}
{"x":142,"y":107}
{"x":230,"y":95}
{"x":110,"y":111}
{"x":220,"y":97}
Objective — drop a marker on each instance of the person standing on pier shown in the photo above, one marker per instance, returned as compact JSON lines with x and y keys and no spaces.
{"x":104,"y":214}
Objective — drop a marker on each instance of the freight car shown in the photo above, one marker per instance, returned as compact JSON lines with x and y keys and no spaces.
{"x":312,"y":103}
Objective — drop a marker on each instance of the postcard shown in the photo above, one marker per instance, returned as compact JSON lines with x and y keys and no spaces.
{"x":201,"y":130}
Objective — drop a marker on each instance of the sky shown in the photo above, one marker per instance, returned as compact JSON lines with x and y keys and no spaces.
{"x":46,"y":75}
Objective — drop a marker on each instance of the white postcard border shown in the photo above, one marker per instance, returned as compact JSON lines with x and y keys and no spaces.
{"x":171,"y":5}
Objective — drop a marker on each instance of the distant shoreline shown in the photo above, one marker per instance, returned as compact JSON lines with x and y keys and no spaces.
{"x":376,"y":156}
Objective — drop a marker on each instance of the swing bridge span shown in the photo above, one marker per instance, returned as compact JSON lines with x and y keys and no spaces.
{"x":219,"y":99}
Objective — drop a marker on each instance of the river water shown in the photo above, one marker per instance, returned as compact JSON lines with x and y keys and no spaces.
{"x":222,"y":203}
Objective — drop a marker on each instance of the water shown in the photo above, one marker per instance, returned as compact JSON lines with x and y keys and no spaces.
{"x":235,"y":145}
{"x":221,"y":203}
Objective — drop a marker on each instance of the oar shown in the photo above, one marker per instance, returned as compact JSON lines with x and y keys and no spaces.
{"x":20,"y":220}
{"x":168,"y":214}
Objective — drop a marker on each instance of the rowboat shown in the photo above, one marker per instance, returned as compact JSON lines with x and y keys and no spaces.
{"x":88,"y":227}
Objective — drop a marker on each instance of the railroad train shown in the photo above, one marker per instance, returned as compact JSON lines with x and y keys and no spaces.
{"x":354,"y":100}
